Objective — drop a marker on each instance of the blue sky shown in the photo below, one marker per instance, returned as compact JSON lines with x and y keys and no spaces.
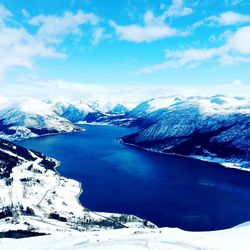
{"x":164,"y":47}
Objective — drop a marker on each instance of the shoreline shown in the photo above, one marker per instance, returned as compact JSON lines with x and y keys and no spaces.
{"x":77,"y":197}
{"x":215,"y":160}
{"x":218,"y":161}
{"x":198,"y":158}
{"x":80,"y":184}
{"x":45,"y":135}
{"x":80,"y":188}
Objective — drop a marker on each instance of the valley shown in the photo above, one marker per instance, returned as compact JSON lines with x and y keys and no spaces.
{"x":205,"y":128}
{"x":167,"y":190}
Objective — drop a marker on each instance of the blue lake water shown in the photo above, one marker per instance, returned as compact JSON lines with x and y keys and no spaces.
{"x":167,"y":190}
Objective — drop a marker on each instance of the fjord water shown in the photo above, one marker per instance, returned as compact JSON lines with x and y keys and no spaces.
{"x":167,"y":190}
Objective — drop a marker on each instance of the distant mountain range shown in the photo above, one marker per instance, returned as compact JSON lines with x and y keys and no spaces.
{"x":213,"y":128}
{"x":22,"y":118}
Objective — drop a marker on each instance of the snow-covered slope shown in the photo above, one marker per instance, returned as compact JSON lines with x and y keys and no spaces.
{"x":95,"y":112}
{"x":201,"y":127}
{"x":22,"y":118}
{"x":110,"y":107}
{"x":34,"y":198}
{"x":79,"y":111}
{"x":75,"y":111}
{"x":137,"y":239}
{"x":152,"y":105}
{"x":26,"y":117}
{"x":208,"y":105}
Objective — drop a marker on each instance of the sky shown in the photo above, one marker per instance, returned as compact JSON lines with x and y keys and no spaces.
{"x":134,"y":49}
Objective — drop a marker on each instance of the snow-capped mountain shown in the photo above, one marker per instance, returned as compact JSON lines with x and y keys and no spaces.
{"x":142,"y":115}
{"x":200,"y":127}
{"x":110,"y":107}
{"x":26,"y":117}
{"x":210,"y":105}
{"x":34,"y":198}
{"x":22,"y":118}
{"x":98,"y":112}
{"x":152,"y":105}
{"x":76,"y":111}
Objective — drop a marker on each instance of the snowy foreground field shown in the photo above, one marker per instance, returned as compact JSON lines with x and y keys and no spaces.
{"x":139,"y":239}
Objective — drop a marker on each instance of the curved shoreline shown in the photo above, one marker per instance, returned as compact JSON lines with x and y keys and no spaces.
{"x":80,"y":184}
{"x":198,"y":158}
{"x":79,"y":189}
{"x":77,"y":197}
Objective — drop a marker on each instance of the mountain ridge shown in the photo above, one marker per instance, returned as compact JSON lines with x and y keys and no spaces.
{"x":198,"y":127}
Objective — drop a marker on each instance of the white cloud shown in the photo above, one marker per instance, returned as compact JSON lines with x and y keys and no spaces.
{"x":180,"y":58}
{"x":52,"y":28}
{"x":151,"y":20}
{"x":137,"y":33}
{"x":230,"y":18}
{"x":18,"y":47}
{"x":236,"y":49}
{"x":177,"y":8}
{"x":240,"y":41}
{"x":98,"y":36}
{"x":58,"y":88}
{"x":129,"y":93}
{"x":153,"y":29}
{"x":237,"y":83}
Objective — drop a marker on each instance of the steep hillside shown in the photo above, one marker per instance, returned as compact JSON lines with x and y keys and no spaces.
{"x":24,"y":118}
{"x":76,"y":111}
{"x":205,"y":128}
